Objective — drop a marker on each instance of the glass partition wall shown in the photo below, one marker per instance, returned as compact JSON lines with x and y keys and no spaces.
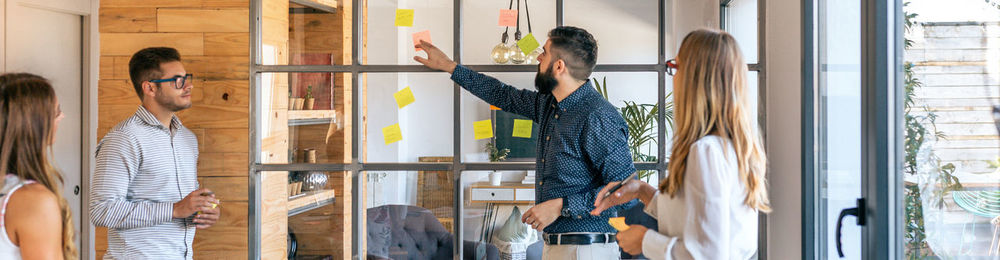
{"x":350,"y":137}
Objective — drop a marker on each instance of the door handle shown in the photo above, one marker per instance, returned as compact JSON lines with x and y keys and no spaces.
{"x":858,"y":212}
{"x":76,"y":190}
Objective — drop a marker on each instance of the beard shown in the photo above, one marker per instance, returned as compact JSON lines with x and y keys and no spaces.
{"x":170,"y":103}
{"x":544,"y":81}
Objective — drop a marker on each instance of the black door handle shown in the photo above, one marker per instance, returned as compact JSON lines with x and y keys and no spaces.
{"x":76,"y":190}
{"x":858,"y":212}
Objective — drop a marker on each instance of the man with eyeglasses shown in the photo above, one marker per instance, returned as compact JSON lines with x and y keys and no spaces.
{"x":145,"y":187}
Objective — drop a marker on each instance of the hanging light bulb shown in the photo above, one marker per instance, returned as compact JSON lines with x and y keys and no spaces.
{"x":501,"y":52}
{"x":533,"y":56}
{"x":500,"y":55}
{"x":518,"y":57}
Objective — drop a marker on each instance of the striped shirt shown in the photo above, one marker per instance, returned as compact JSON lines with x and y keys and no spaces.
{"x":143,"y":168}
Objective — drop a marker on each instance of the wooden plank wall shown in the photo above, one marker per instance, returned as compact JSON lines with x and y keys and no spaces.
{"x":213,"y":39}
{"x":956,"y":64}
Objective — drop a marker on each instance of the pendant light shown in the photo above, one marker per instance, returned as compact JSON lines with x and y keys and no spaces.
{"x":501,"y":52}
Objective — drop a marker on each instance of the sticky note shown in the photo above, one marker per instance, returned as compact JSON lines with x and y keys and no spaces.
{"x":527,"y":44}
{"x":492,"y":107}
{"x":483,"y":129}
{"x":508,"y":18}
{"x":522,"y":128}
{"x":425,"y":36}
{"x":404,"y":17}
{"x":392,"y":134}
{"x":618,"y":223}
{"x":404,"y":97}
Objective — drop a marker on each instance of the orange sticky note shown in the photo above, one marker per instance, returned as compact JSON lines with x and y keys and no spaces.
{"x":424,"y":35}
{"x":483,"y":129}
{"x":392,"y":134}
{"x":508,"y":18}
{"x":618,"y":223}
{"x":492,"y":107}
{"x":404,"y":17}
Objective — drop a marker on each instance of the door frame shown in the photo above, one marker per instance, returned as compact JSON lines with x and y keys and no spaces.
{"x":90,"y":65}
{"x":881,"y":121}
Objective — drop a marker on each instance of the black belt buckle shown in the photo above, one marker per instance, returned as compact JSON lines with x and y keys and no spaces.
{"x":579,"y":239}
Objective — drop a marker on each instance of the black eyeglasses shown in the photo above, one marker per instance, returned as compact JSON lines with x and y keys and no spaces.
{"x":179,"y":81}
{"x":671,"y":67}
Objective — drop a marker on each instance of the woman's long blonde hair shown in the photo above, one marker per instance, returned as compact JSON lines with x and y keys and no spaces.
{"x":27,"y":113}
{"x":711,"y":98}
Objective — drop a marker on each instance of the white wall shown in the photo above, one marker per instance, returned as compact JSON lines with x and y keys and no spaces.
{"x":783,"y":141}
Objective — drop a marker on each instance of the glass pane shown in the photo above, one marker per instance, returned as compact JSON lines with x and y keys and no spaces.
{"x":951,"y":180}
{"x":635,"y":91}
{"x":387,"y":43}
{"x":410,"y":214}
{"x":421,"y":128}
{"x":492,"y":214}
{"x":294,"y":34}
{"x":636,"y":19}
{"x":304,"y":117}
{"x":305,"y":215}
{"x":742,"y":24}
{"x":839,"y":121}
{"x":481,"y":32}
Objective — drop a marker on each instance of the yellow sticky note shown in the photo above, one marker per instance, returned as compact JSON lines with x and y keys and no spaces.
{"x":508,"y":18}
{"x":404,"y":17}
{"x":618,"y":223}
{"x":528,"y":44}
{"x":522,"y":128}
{"x":483,"y":129}
{"x":404,"y":97}
{"x":392,"y":134}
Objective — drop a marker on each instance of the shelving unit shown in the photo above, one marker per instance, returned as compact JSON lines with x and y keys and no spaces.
{"x":310,"y":117}
{"x":309,"y":201}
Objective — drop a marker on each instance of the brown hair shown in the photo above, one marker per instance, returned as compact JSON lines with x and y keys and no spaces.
{"x":27,"y":106}
{"x":711,"y":98}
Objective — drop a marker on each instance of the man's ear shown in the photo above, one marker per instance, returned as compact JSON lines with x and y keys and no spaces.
{"x":148,"y":89}
{"x":559,"y":68}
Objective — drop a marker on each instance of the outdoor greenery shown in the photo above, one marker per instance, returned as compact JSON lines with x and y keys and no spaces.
{"x":920,"y":128}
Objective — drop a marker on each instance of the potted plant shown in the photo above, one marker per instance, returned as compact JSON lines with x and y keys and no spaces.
{"x":642,"y":123}
{"x":309,"y":99}
{"x":291,"y":99}
{"x":496,"y":155}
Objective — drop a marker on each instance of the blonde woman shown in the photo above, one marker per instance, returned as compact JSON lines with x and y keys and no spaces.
{"x":35,"y":220}
{"x":707,"y":206}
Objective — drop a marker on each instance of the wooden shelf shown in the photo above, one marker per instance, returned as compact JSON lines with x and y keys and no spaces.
{"x":316,"y":5}
{"x":310,"y":117}
{"x":506,"y":193}
{"x":312,"y":200}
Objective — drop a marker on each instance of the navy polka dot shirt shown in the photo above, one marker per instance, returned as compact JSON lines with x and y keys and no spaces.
{"x":582,"y":145}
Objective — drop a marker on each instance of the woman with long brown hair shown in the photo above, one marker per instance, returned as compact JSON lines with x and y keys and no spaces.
{"x":707,"y":206}
{"x":35,"y":220}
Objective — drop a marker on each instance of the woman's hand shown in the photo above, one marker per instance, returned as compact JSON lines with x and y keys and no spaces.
{"x":630,"y":240}
{"x":631,"y":190}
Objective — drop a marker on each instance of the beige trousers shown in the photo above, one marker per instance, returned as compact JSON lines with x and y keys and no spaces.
{"x":581,"y":252}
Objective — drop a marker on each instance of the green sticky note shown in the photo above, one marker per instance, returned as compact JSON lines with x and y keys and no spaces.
{"x":528,"y":44}
{"x":392,"y":134}
{"x":522,"y":128}
{"x":404,"y":17}
{"x":404,"y":97}
{"x":483,"y":129}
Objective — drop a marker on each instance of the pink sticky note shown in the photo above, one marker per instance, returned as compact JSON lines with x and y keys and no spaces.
{"x":424,"y":35}
{"x":508,"y":18}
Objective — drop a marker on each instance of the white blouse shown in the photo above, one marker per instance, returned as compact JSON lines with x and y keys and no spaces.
{"x":707,"y":219}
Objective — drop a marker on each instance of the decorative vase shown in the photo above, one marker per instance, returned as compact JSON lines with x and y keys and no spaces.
{"x":298,"y":103}
{"x":291,"y":103}
{"x":314,"y":181}
{"x":308,"y":105}
{"x":496,"y":177}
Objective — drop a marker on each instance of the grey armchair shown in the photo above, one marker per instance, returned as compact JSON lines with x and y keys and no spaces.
{"x":411,"y":232}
